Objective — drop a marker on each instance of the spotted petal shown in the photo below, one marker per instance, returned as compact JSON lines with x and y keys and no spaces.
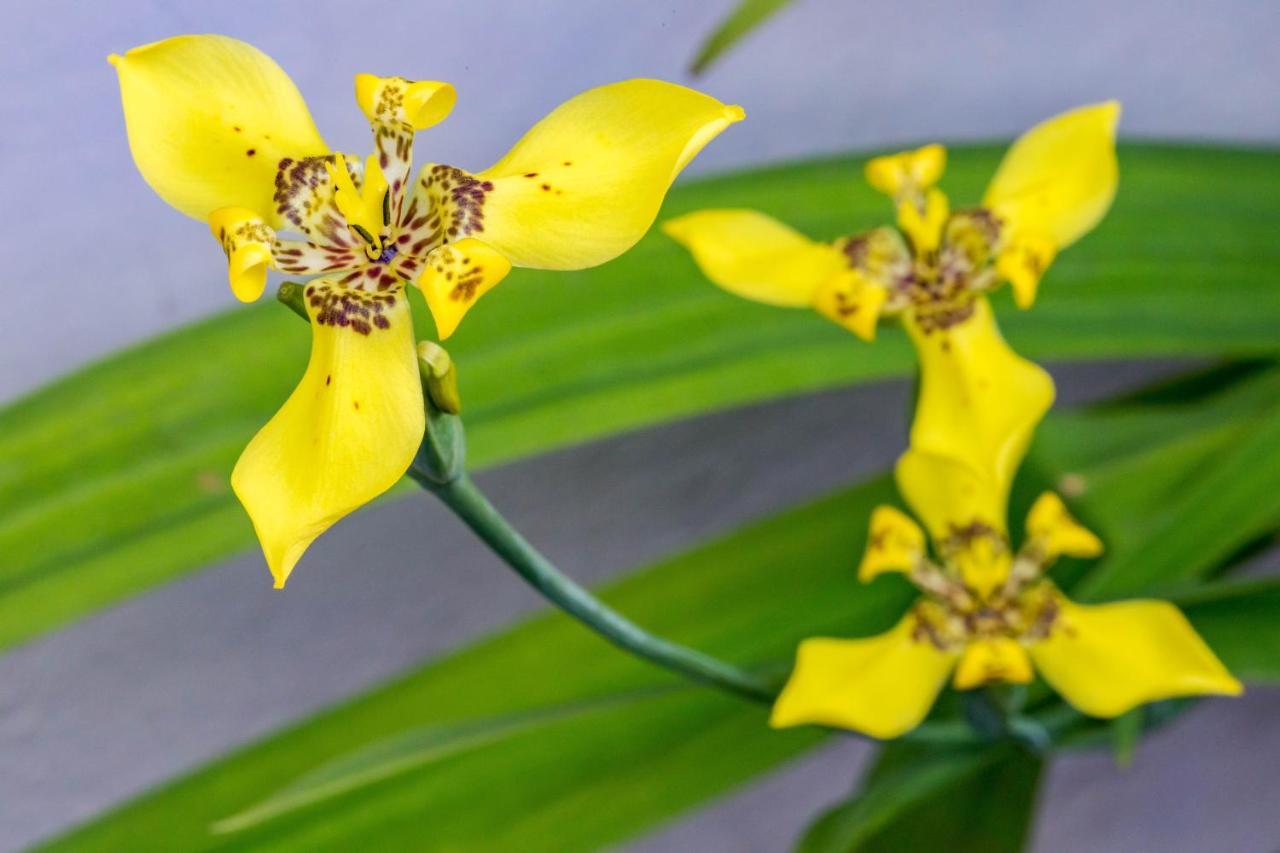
{"x":585,"y":183}
{"x":882,"y":686}
{"x":1107,"y":659}
{"x":209,"y":117}
{"x":347,"y":433}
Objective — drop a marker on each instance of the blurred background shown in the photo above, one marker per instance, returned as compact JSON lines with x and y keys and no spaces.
{"x":141,"y":692}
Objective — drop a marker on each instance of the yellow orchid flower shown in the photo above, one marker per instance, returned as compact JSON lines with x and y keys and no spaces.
{"x":221,"y":133}
{"x":1055,"y":183}
{"x":1103,"y":659}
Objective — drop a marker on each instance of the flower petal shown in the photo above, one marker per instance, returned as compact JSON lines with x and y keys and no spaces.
{"x":1107,"y":659}
{"x":1059,"y":178}
{"x":895,"y":543}
{"x":755,"y":256}
{"x":456,"y":275}
{"x":346,"y":434}
{"x":994,"y":659}
{"x":397,"y":108}
{"x":882,"y":686}
{"x":209,"y":118}
{"x":1054,"y":532}
{"x":586,"y":182}
{"x":979,"y":400}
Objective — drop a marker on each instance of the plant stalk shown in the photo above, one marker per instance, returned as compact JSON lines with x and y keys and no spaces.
{"x":463,"y":497}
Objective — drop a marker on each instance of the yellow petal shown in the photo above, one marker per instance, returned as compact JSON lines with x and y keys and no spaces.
{"x":455,"y":276}
{"x":392,"y":100}
{"x":755,"y":256}
{"x":1053,"y":532}
{"x":586,"y":182}
{"x":908,"y":171}
{"x":1110,"y":658}
{"x":964,"y":509}
{"x":209,"y":119}
{"x":894,"y":544}
{"x":882,"y":686}
{"x":854,"y":300}
{"x":1022,"y":263}
{"x":924,"y":224}
{"x":1059,"y":178}
{"x":247,"y":241}
{"x":979,"y":400}
{"x":995,"y":659}
{"x":346,"y":434}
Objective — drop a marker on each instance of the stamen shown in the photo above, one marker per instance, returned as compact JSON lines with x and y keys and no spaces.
{"x":388,"y":254}
{"x":364,"y":235}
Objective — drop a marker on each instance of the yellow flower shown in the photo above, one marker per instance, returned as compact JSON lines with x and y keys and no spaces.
{"x":1103,"y":659}
{"x":221,"y":133}
{"x":1055,"y":183}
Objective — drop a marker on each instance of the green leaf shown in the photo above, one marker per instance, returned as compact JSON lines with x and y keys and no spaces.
{"x":593,"y":780}
{"x":411,"y":750}
{"x":1216,"y":509}
{"x":1241,"y":622}
{"x":918,"y":799}
{"x":744,"y":18}
{"x":115,"y":478}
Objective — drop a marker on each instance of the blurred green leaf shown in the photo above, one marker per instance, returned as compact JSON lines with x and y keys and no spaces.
{"x":749,"y":598}
{"x":411,"y":750}
{"x":744,"y":18}
{"x":1217,"y":508}
{"x":115,"y":478}
{"x":1241,"y":622}
{"x":922,"y":799}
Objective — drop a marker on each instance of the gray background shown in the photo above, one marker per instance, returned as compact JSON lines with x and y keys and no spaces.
{"x":133,"y":695}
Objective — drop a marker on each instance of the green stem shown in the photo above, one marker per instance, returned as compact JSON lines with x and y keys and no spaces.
{"x":470,"y":504}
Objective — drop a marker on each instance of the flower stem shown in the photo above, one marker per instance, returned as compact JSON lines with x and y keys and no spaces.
{"x":467,"y":501}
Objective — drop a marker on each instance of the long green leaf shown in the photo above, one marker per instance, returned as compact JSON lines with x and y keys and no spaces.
{"x":583,"y":783}
{"x":1241,"y":621}
{"x":115,"y":479}
{"x":1216,"y":509}
{"x":744,"y":18}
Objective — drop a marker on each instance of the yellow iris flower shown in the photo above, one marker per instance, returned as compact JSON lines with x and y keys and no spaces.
{"x":1103,"y":659}
{"x":979,"y":401}
{"x":221,"y":133}
{"x":1055,"y":183}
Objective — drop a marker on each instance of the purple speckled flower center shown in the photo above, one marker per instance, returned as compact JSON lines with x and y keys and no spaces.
{"x":387,"y":254}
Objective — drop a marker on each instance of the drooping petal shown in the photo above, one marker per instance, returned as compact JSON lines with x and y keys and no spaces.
{"x":882,"y":686}
{"x":990,"y":660}
{"x":397,"y":108}
{"x":1107,"y":659}
{"x":585,"y":183}
{"x":347,"y":433}
{"x":755,"y":256}
{"x":1059,"y":178}
{"x":455,"y":276}
{"x":1053,"y":532}
{"x":209,"y":118}
{"x":247,"y":241}
{"x":895,"y":543}
{"x":252,"y":248}
{"x":979,"y":400}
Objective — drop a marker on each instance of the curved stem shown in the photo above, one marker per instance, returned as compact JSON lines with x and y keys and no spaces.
{"x":463,"y":497}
